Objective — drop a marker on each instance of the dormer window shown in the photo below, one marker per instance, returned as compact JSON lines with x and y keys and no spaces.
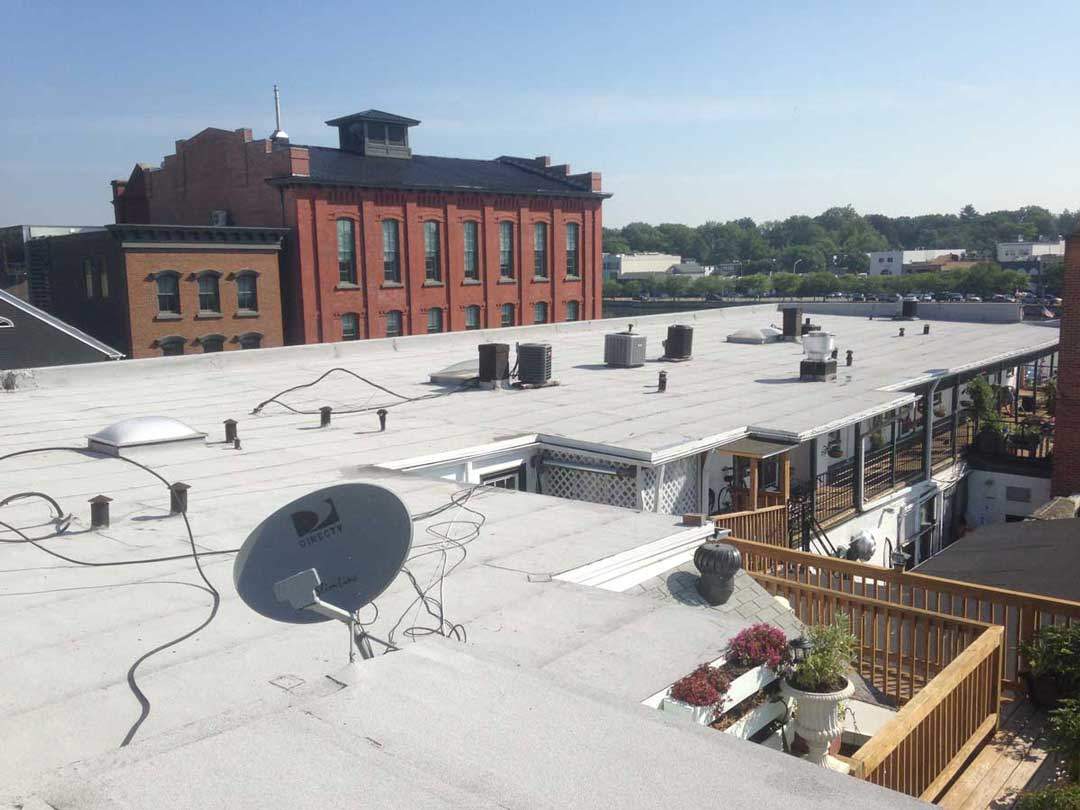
{"x":375,"y":133}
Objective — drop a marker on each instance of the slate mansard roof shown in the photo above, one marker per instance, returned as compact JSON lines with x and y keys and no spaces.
{"x":504,"y":175}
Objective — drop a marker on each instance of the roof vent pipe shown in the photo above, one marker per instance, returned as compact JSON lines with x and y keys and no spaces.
{"x":850,"y":356}
{"x":178,"y":498}
{"x":99,"y":511}
{"x":901,"y":332}
{"x":382,"y":412}
{"x":661,"y":382}
{"x":230,"y":431}
{"x":718,"y":564}
{"x":926,"y":329}
{"x":324,"y":416}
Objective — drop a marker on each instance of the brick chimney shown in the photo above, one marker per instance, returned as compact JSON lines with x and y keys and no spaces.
{"x":1066,"y":480}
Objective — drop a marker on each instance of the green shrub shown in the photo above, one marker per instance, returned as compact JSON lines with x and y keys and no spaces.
{"x":1056,"y":797}
{"x":825,"y":667}
{"x":1055,"y":652}
{"x":1065,"y":734}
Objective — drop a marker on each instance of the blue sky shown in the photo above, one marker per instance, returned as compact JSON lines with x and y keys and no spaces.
{"x":692,"y":111}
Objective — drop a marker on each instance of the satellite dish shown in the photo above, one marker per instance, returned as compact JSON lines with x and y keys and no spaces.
{"x":356,"y":537}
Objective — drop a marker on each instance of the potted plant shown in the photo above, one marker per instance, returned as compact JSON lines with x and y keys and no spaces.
{"x":1050,"y":393}
{"x":991,"y":438}
{"x":818,"y":682}
{"x":753,"y":659}
{"x":1065,"y":735}
{"x":1053,"y":659}
{"x":1026,"y":437}
{"x":697,"y":696}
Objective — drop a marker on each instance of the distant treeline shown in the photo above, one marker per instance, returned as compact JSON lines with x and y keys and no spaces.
{"x":838,"y":239}
{"x":983,"y":279}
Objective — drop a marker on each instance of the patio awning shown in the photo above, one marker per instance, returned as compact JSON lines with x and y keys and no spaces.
{"x":749,"y":447}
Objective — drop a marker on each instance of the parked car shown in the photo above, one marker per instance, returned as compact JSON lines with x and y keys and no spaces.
{"x":714,"y":297}
{"x":927,"y":297}
{"x":971,"y":298}
{"x":858,"y":298}
{"x":954,"y":297}
{"x":910,"y":298}
{"x":1003,"y":299}
{"x":1036,"y":312}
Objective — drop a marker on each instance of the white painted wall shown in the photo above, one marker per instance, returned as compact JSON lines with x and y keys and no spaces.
{"x":987,"y":496}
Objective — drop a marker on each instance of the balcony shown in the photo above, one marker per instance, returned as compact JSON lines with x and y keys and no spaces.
{"x":944,"y":653}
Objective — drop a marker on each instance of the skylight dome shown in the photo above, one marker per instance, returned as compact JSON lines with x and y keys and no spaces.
{"x":141,"y":431}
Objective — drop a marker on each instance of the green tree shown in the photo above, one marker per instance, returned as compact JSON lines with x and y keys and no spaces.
{"x":785,"y":284}
{"x":752,"y":286}
{"x":1052,"y":278}
{"x":820,"y":283}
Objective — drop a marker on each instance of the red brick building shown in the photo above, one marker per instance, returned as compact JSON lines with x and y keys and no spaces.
{"x":166,"y":290}
{"x":383,"y":242}
{"x":1066,"y":479}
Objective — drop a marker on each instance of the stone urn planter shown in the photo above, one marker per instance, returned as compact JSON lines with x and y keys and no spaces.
{"x":817,"y":721}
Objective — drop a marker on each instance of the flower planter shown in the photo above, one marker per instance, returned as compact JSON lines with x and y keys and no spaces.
{"x":746,"y":727}
{"x":746,"y":685}
{"x":817,"y":721}
{"x":1043,"y":690}
{"x":702,"y":715}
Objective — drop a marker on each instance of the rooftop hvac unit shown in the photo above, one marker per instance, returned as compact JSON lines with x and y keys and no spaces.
{"x":679,"y":343}
{"x":624,"y":349}
{"x":494,"y":362}
{"x":534,"y":363}
{"x":909,"y":309}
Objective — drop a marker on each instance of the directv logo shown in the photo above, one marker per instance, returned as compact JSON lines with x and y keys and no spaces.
{"x":311,"y":527}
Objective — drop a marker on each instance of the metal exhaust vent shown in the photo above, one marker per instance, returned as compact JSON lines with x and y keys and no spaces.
{"x":680,"y":342}
{"x":534,"y":363}
{"x":624,"y":349}
{"x":792,"y":319}
{"x":494,"y":363}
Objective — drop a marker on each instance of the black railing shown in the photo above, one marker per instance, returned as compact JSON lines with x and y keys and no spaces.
{"x":835,"y":491}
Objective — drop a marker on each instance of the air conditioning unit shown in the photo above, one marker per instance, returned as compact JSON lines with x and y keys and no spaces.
{"x":679,"y":343}
{"x":534,"y":363}
{"x":624,"y":349}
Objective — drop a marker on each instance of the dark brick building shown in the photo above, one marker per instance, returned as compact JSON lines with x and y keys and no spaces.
{"x":385,"y":242}
{"x":1066,"y":479}
{"x":166,"y":290}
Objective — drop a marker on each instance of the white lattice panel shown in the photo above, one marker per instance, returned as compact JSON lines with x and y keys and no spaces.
{"x":648,"y":488}
{"x":583,"y":485}
{"x":681,"y":488}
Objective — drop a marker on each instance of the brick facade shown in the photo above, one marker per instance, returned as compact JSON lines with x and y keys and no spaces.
{"x":218,"y":170}
{"x":1066,"y":480}
{"x":122,"y":310}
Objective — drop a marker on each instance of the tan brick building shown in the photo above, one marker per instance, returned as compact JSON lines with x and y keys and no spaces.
{"x":169,"y":289}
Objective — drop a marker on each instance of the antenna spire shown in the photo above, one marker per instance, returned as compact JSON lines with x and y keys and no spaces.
{"x":278,"y":134}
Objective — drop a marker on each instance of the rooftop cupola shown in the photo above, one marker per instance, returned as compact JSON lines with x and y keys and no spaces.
{"x":375,"y":133}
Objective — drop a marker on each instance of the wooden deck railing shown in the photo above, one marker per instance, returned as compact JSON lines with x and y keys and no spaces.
{"x":924,"y":746}
{"x":768,"y":525}
{"x":900,"y":649}
{"x":1018,"y":613}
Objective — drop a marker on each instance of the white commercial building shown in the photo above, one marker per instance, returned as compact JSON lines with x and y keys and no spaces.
{"x":893,"y":262}
{"x":1028,"y":251}
{"x":636,"y":265}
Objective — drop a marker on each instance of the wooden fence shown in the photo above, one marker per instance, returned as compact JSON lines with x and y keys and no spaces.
{"x":900,"y":649}
{"x":1018,"y":614}
{"x":926,"y":744}
{"x":768,"y":525}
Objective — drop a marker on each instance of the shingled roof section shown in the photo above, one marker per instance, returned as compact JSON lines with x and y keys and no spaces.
{"x":425,"y":172}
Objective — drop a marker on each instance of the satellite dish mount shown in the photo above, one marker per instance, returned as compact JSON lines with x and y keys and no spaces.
{"x":301,"y":591}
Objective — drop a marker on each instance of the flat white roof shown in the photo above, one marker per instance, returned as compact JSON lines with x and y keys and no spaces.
{"x":72,"y":632}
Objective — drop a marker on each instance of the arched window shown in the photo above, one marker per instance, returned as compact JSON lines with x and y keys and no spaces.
{"x":432,"y":252}
{"x":573,"y":267}
{"x":540,"y":260}
{"x":168,"y":293}
{"x":391,"y":254}
{"x":171,"y":346}
{"x":506,"y":249}
{"x":472,"y":317}
{"x":573,"y":311}
{"x":472,"y":250}
{"x":251,"y":340}
{"x":507,"y":314}
{"x":209,"y":293}
{"x":346,"y":251}
{"x":434,"y":320}
{"x":247,"y":292}
{"x":6,"y":323}
{"x":212,"y":343}
{"x":393,"y":323}
{"x":540,"y":312}
{"x":350,"y":326}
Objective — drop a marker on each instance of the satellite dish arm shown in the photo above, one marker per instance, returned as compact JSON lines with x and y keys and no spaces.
{"x":300,"y":592}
